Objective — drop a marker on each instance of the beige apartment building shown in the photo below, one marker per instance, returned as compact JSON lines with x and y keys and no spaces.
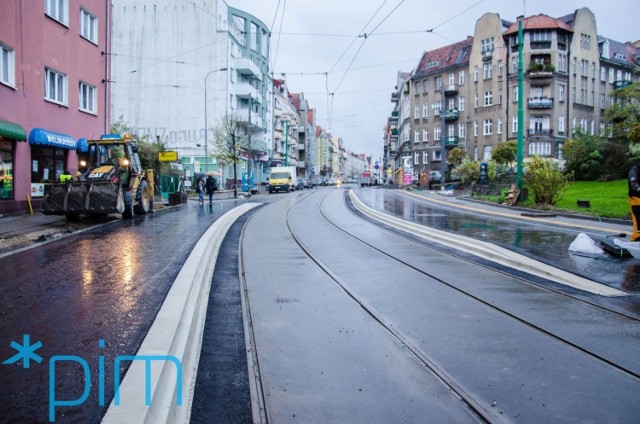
{"x":569,"y":75}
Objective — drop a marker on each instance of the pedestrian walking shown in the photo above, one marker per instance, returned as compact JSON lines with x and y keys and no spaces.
{"x":200,"y":190}
{"x":634,"y":200}
{"x":211,"y":187}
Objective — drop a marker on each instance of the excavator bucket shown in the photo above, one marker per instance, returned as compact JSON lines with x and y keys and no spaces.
{"x":83,"y":197}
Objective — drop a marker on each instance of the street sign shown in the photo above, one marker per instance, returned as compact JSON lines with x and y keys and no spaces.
{"x":168,"y":156}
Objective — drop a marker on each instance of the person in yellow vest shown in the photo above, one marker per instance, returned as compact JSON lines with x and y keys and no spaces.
{"x":634,"y":200}
{"x":65,"y":176}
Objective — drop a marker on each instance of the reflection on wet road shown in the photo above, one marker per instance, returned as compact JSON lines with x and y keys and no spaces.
{"x":107,"y":283}
{"x":540,"y":241}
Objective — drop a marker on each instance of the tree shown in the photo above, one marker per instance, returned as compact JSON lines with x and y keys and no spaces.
{"x":584,"y":158}
{"x":231,"y":137}
{"x":148,"y":151}
{"x":468,"y":171}
{"x":624,"y":114}
{"x":505,"y":153}
{"x":545,"y":182}
{"x":455,"y":156}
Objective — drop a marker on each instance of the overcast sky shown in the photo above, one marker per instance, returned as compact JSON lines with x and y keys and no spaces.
{"x":315,"y":42}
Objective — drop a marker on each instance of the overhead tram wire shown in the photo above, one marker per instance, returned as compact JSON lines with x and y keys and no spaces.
{"x":275,"y":57}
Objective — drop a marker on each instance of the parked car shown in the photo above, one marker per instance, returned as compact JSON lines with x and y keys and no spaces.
{"x":299,"y":185}
{"x":435,"y":175}
{"x":307,"y":183}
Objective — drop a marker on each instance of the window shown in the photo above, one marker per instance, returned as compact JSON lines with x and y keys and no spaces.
{"x":601,"y":129}
{"x":461,"y":103}
{"x":488,"y":98}
{"x":416,"y":157}
{"x":87,"y":98}
{"x":500,"y":68}
{"x":462,"y":133}
{"x":611,"y":75}
{"x":561,"y":93}
{"x":426,"y":87}
{"x":7,"y":65}
{"x":436,"y":156}
{"x":417,"y":87}
{"x":265,"y":43}
{"x":416,"y":136}
{"x":475,"y":129}
{"x":486,"y":153}
{"x":487,"y":44}
{"x":437,"y":108}
{"x":475,"y":73}
{"x":476,"y":101}
{"x":88,"y":26}
{"x":461,"y":78}
{"x":500,"y":96}
{"x":561,"y":124}
{"x":55,"y":86}
{"x":425,"y":134}
{"x":585,"y":41}
{"x":58,"y":10}
{"x":562,"y":62}
{"x":425,"y":157}
{"x":452,"y":79}
{"x":540,"y":35}
{"x":451,"y":104}
{"x":253,"y":37}
{"x":487,"y":127}
{"x":416,"y":112}
{"x":6,"y":158}
{"x":514,"y":65}
{"x":499,"y":126}
{"x":603,"y":101}
{"x":603,"y":74}
{"x":487,"y":71}
{"x":425,"y":110}
{"x":515,"y":94}
{"x":574,"y":65}
{"x":514,"y":124}
{"x":541,"y":148}
{"x":436,"y":133}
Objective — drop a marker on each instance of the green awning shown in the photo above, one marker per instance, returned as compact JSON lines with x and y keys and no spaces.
{"x":11,"y":131}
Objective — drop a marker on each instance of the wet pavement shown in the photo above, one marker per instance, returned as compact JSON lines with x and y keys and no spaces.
{"x":544,"y":238}
{"x":105,"y":283}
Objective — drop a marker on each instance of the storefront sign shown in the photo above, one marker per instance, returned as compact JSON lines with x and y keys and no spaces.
{"x":37,"y":190}
{"x":168,"y":156}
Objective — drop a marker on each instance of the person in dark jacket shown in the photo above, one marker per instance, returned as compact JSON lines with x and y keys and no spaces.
{"x":634,"y":200}
{"x":211,"y":187}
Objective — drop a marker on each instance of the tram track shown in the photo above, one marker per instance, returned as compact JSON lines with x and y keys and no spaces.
{"x":484,"y":412}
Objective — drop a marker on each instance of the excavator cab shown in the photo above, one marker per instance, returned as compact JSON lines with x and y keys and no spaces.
{"x":115,"y":182}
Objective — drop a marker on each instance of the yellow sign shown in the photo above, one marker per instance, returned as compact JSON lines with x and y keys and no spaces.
{"x":168,"y":156}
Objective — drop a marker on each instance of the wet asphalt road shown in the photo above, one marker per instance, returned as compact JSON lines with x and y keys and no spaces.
{"x":320,"y":357}
{"x":356,"y":327}
{"x":107,"y":283}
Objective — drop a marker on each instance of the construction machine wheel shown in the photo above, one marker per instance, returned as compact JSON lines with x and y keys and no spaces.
{"x":128,"y":205}
{"x":144,"y":199}
{"x":73,"y":217}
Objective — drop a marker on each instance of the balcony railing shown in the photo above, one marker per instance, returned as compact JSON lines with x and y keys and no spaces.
{"x":620,"y":84}
{"x":394,"y":116}
{"x":487,"y":55}
{"x":540,"y":102}
{"x":245,"y":66}
{"x":394,"y":97}
{"x":451,"y":141}
{"x":536,"y":132}
{"x":245,"y":90}
{"x":451,"y":89}
{"x":451,"y":115}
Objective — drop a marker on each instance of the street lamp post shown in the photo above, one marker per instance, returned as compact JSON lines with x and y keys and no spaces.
{"x":206,"y":128}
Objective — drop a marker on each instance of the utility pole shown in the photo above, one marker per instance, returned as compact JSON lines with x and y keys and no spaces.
{"x":286,"y":142}
{"x":520,"y":151}
{"x":443,"y":148}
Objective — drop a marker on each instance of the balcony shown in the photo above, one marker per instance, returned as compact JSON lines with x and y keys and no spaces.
{"x":487,"y":55}
{"x":255,"y":121}
{"x":245,"y":91}
{"x":394,"y":97}
{"x":451,"y":115}
{"x":540,"y":103}
{"x":540,"y":71}
{"x":539,"y":133}
{"x":394,"y":116}
{"x":451,"y":89}
{"x":620,"y":84}
{"x":245,"y":66}
{"x":451,"y":141}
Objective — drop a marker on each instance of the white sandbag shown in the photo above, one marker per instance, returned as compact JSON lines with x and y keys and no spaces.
{"x":633,"y":247}
{"x":585,"y":244}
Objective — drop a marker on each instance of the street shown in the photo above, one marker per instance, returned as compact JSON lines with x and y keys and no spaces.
{"x":319,"y":313}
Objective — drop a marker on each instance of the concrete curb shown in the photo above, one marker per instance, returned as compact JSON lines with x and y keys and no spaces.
{"x":489,"y":251}
{"x":176,"y":332}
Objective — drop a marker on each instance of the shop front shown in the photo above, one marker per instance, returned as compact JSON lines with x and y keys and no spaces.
{"x":50,"y":156}
{"x":10,"y":135}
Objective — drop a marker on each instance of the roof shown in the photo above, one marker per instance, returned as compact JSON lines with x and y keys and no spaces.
{"x":622,"y":53}
{"x":539,"y":22}
{"x":444,"y":57}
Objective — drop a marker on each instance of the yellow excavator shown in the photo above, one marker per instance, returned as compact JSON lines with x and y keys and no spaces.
{"x":114,"y":182}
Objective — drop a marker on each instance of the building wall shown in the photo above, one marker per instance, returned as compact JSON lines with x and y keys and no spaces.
{"x":39,"y":41}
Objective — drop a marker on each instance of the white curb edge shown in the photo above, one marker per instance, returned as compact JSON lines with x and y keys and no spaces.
{"x":177,"y":331}
{"x":489,"y":251}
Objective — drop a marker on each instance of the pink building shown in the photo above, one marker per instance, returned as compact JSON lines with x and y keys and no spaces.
{"x":53,"y":66}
